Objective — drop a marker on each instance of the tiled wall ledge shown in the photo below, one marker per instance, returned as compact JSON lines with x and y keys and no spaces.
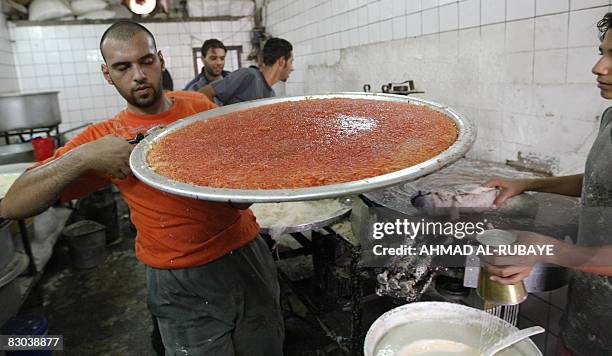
{"x":143,"y":20}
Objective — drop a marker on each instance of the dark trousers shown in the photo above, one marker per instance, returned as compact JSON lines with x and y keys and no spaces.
{"x":230,"y":306}
{"x":156,"y":340}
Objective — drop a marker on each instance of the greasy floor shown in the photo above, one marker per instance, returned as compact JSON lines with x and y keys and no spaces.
{"x":102,"y":311}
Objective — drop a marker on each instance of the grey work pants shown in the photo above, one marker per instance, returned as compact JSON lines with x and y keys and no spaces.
{"x":230,"y":306}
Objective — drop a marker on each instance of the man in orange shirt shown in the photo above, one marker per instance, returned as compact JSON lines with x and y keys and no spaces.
{"x":212,"y":282}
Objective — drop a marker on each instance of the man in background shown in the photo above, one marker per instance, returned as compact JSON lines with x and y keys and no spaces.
{"x":253,"y":83}
{"x":213,"y":57}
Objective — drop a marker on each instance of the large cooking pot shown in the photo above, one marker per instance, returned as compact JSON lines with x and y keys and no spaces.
{"x":29,"y":110}
{"x":443,"y":321}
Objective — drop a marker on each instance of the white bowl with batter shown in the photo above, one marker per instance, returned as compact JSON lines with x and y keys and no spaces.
{"x":440,"y":329}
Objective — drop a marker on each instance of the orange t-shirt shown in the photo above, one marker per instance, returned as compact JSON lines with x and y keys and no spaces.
{"x":173,"y":231}
{"x":187,"y":94}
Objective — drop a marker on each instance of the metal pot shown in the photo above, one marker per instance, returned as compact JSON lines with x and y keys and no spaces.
{"x":448,"y":318}
{"x":29,"y":110}
{"x":543,"y":278}
{"x":546,"y":277}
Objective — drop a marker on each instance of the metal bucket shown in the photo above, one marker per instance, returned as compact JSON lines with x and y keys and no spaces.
{"x":87,"y":242}
{"x":448,"y":316}
{"x":100,"y":206}
{"x":29,"y":110}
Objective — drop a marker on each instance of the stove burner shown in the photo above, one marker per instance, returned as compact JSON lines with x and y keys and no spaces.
{"x":451,"y":287}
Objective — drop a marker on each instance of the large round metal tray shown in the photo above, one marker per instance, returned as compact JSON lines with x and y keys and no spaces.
{"x":142,"y":170}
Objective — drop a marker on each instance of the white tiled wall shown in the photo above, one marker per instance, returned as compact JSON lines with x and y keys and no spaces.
{"x":67,"y":58}
{"x":520,"y":69}
{"x":8,"y":72}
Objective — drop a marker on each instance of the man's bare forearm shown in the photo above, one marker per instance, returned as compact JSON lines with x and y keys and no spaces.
{"x":41,"y":187}
{"x":566,"y":185}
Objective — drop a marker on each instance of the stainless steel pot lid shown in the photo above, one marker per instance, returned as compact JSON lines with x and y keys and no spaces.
{"x":142,"y":170}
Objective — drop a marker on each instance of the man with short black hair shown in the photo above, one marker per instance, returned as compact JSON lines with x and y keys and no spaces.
{"x":585,"y":326}
{"x":213,"y":57}
{"x":252,"y":83}
{"x":212,"y":284}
